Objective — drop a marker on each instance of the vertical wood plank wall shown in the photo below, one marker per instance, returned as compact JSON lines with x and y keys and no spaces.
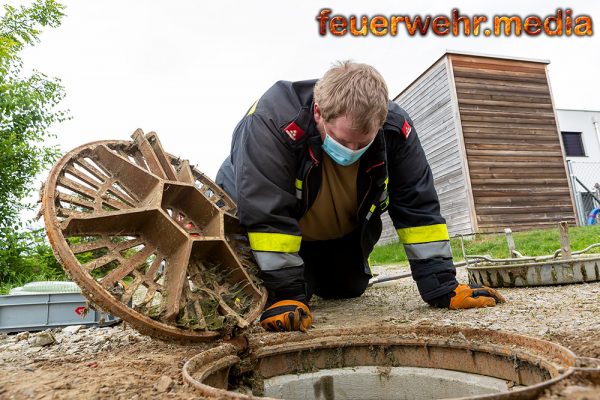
{"x":512,"y":143}
{"x":428,"y":102}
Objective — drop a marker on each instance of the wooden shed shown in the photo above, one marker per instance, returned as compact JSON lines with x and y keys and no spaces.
{"x":489,"y":129}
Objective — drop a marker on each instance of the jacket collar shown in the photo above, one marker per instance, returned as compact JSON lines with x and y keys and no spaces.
{"x":374,"y":157}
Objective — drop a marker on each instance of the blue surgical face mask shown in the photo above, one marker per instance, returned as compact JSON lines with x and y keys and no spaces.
{"x":340,"y":153}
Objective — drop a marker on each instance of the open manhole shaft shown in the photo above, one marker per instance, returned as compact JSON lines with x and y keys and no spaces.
{"x":151,"y":239}
{"x":532,"y":365}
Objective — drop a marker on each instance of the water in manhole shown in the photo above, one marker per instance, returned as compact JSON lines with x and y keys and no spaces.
{"x":386,"y":362}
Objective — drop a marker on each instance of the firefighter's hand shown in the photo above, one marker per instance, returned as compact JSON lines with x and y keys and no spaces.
{"x":474,"y":296}
{"x":287,"y":315}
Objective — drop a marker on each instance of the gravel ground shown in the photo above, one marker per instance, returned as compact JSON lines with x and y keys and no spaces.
{"x":119,"y":363}
{"x":546,"y":312}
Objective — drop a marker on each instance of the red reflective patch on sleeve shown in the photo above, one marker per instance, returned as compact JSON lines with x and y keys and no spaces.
{"x":406,"y":129}
{"x":293,"y":131}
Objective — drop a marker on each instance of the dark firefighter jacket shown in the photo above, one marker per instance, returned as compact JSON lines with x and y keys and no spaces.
{"x":274,"y":174}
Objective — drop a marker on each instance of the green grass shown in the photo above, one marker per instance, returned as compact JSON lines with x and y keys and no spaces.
{"x":530,"y":243}
{"x":37,"y":263}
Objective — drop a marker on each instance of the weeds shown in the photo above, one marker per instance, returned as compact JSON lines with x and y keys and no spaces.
{"x":27,"y":257}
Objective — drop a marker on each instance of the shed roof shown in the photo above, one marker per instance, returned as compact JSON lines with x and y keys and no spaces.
{"x":471,"y":54}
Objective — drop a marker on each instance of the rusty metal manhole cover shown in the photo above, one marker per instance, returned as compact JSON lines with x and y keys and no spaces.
{"x":563,"y":267}
{"x":520,"y":273}
{"x":152,"y":240}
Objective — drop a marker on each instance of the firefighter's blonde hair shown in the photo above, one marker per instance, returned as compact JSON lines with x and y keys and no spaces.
{"x":356,"y":91}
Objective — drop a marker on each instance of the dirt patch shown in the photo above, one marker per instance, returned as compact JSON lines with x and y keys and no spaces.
{"x":584,"y":344}
{"x":124,"y":372}
{"x":582,"y":385}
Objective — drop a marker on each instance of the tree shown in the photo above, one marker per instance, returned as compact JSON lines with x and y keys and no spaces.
{"x":28,"y":107}
{"x":27,"y":110}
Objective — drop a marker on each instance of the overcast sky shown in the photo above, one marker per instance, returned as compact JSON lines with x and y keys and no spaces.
{"x":190,"y":69}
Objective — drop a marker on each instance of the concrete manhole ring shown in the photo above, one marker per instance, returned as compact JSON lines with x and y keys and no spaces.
{"x":322,"y":363}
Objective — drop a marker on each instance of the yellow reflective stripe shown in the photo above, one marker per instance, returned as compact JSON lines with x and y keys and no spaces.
{"x":298,"y":184}
{"x":385,"y":203}
{"x":253,"y":108}
{"x":372,"y":209}
{"x":278,"y":242}
{"x":423,"y":234}
{"x":385,"y":183}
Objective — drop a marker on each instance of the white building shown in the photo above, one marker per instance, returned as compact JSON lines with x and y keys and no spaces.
{"x":580,"y":131}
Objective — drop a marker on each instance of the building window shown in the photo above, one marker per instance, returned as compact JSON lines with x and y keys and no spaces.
{"x":573,"y":144}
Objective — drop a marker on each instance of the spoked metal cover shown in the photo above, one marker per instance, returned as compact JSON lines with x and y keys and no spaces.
{"x":152,"y":240}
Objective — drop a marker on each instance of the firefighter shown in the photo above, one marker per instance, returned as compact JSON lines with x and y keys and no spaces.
{"x":313,"y":165}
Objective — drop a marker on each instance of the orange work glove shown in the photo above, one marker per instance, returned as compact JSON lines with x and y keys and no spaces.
{"x":286,"y":315}
{"x":474,"y":296}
